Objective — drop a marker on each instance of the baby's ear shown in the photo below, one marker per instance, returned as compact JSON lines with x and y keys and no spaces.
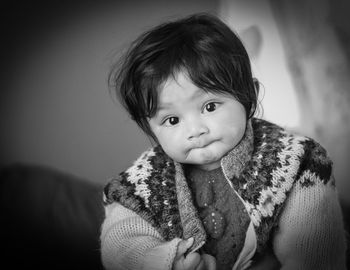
{"x":252,"y":40}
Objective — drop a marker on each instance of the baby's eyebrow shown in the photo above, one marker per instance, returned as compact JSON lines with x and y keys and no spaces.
{"x":198,"y":93}
{"x":163,"y":107}
{"x":162,"y":110}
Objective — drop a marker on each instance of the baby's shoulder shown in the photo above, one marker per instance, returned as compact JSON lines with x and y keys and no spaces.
{"x":152,"y":160}
{"x":267,"y":132}
{"x":152,"y":168}
{"x":291,"y":147}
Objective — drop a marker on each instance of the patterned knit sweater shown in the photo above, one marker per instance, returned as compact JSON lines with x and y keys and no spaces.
{"x":284,"y":181}
{"x":222,"y":212}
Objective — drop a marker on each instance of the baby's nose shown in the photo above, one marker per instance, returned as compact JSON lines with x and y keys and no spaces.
{"x":196,"y":130}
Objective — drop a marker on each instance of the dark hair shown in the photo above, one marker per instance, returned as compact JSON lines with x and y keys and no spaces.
{"x":202,"y":46}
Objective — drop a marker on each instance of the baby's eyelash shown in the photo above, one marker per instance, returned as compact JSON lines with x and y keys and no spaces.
{"x":215,"y":103}
{"x":173,"y":120}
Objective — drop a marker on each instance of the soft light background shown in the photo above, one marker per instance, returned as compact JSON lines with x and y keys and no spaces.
{"x":56,"y":109}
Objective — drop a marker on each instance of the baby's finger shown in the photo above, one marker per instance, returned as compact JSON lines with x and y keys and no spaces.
{"x":183,"y":246}
{"x":192,"y":261}
{"x":201,"y":265}
{"x":209,"y":262}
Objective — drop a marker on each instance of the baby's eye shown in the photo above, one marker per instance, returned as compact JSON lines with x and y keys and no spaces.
{"x":210,"y":107}
{"x":171,"y":121}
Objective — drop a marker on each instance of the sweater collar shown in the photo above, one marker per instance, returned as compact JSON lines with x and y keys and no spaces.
{"x":234,"y":162}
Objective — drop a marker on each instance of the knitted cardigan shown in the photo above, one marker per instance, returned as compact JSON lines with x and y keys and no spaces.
{"x":270,"y":169}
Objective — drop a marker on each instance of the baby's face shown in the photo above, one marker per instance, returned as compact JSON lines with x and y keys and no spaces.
{"x":195,"y":127}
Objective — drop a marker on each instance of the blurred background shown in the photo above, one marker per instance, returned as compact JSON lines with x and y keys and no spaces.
{"x":57,"y":113}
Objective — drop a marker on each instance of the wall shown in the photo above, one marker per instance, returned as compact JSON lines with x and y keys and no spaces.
{"x":277,"y":96}
{"x":55,"y":108}
{"x":316,"y":35}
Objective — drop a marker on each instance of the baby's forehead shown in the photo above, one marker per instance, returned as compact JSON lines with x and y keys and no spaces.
{"x":176,"y":92}
{"x":180,"y":89}
{"x":171,"y":98}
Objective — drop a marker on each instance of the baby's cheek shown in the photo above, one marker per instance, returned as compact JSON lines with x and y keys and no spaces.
{"x":174,"y":151}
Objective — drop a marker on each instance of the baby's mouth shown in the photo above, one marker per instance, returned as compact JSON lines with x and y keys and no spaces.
{"x":198,"y":145}
{"x":201,"y":144}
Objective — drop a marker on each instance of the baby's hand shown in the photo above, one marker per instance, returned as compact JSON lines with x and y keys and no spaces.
{"x":209,"y":262}
{"x":192,"y":261}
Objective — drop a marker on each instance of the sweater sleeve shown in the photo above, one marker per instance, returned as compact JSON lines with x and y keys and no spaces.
{"x":130,"y":242}
{"x":310,"y":234}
